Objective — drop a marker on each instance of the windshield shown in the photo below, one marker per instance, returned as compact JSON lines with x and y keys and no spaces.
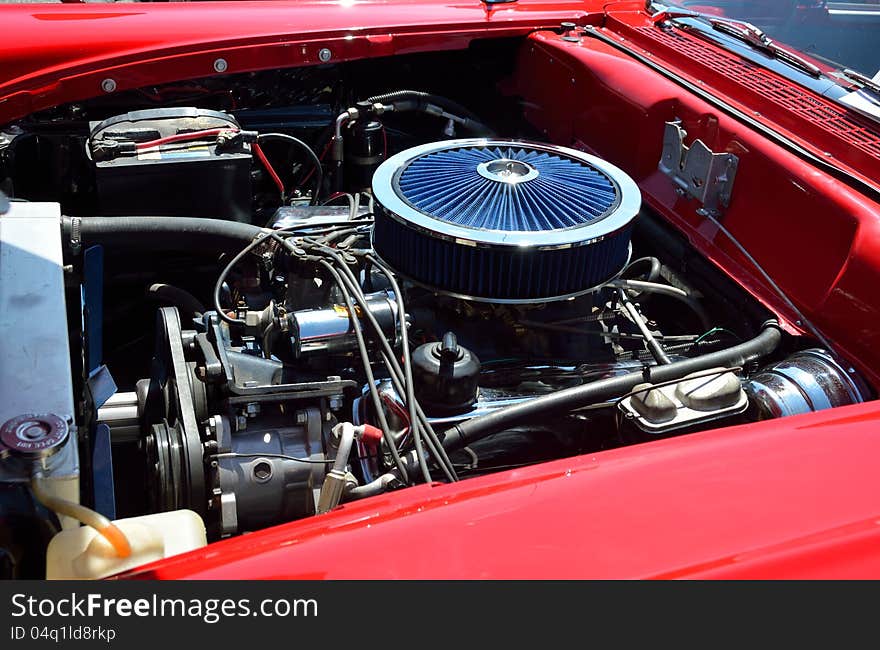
{"x":838,"y":34}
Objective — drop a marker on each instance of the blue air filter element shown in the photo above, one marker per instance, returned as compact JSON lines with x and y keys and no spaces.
{"x":503,"y":221}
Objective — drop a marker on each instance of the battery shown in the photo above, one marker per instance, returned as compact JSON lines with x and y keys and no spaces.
{"x":187,"y":177}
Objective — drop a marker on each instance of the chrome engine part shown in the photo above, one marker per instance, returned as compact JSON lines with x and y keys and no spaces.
{"x":503,"y":221}
{"x":696,"y":399}
{"x":329,"y":330}
{"x":810,"y":380}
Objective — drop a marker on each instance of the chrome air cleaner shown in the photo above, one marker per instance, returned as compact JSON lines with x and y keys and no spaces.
{"x":503,"y":221}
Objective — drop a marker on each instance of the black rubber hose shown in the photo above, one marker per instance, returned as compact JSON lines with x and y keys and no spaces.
{"x":415,"y":100}
{"x":653,"y":264}
{"x":180,"y":298}
{"x":569,"y":399}
{"x":161,"y":233}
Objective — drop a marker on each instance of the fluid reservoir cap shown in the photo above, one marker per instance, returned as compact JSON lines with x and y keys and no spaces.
{"x":447,"y":350}
{"x":446,"y":376}
{"x":653,"y":405}
{"x":34,"y":435}
{"x":710,"y":392}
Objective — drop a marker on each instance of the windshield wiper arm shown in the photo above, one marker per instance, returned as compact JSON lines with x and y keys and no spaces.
{"x":751,"y":35}
{"x":865,"y":83}
{"x":738,"y":29}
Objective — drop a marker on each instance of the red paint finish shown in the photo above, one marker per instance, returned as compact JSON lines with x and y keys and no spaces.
{"x":787,"y":498}
{"x":77,"y":47}
{"x":780,"y":499}
{"x":817,"y":237}
{"x":815,"y":122}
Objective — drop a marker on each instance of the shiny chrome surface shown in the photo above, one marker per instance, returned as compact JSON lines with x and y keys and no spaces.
{"x":329,"y":330}
{"x":629,"y":203}
{"x":806,"y":381}
{"x":120,"y":413}
{"x":504,"y":170}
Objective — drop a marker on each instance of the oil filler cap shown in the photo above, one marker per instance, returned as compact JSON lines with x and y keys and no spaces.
{"x":446,"y":376}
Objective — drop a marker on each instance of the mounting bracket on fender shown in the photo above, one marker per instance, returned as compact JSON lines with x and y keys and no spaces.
{"x":697,"y":171}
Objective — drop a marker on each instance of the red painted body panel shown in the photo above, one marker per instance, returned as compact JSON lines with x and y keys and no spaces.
{"x":780,"y":499}
{"x":77,"y":47}
{"x":817,"y":237}
{"x":786,"y":498}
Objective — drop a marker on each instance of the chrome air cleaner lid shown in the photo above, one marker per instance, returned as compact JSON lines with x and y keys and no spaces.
{"x":440,"y":201}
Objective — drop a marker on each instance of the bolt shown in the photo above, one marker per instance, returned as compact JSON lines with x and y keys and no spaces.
{"x":252,"y":409}
{"x":108,"y":85}
{"x":220,"y":65}
{"x":302,"y":417}
{"x":324,"y":55}
{"x":240,"y":423}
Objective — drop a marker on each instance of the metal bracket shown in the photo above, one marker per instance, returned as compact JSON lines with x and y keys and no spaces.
{"x":697,"y":171}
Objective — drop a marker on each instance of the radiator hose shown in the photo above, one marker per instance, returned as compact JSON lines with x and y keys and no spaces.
{"x":159,"y":233}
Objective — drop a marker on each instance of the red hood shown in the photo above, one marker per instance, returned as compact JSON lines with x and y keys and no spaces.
{"x":141,"y":44}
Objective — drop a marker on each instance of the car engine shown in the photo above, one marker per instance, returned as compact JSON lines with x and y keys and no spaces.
{"x":259,"y":297}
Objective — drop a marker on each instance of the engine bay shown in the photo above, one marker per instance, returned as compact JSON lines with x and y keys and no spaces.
{"x":291,"y":289}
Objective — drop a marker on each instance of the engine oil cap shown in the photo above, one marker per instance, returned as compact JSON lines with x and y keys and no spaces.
{"x":34,"y":435}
